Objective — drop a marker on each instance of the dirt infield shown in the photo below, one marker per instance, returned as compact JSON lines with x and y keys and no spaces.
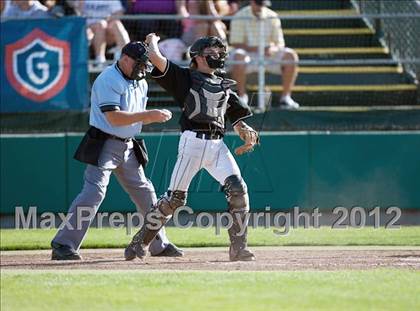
{"x":268,"y":259}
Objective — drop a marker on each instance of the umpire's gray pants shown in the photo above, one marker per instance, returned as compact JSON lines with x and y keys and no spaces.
{"x":117,"y":157}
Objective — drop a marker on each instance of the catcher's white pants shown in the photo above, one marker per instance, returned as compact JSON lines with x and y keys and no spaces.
{"x":196,"y":153}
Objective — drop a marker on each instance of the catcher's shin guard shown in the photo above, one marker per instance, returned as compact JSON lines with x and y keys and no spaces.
{"x":154,"y":221}
{"x":237,"y":196}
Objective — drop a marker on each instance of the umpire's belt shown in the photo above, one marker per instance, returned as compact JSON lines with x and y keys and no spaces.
{"x":91,"y":146}
{"x":125,"y":140}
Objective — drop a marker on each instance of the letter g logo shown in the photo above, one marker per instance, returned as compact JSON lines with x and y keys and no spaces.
{"x":38,"y":65}
{"x":43,"y":67}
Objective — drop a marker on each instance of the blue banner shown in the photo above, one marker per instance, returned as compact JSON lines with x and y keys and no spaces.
{"x":44,"y":65}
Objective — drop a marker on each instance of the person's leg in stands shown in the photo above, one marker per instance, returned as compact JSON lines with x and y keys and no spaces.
{"x":99,"y":40}
{"x":239,"y":73}
{"x":289,"y":74}
{"x":118,"y":35}
{"x":218,"y":29}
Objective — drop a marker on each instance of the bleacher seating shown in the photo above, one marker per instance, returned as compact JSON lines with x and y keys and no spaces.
{"x":378,"y":84}
{"x":338,"y":39}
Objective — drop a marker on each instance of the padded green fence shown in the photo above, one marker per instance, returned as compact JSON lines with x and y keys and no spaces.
{"x":304,"y":119}
{"x":305,"y":169}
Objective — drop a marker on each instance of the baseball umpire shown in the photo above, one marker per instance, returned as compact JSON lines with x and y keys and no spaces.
{"x":206,"y":99}
{"x":118,"y":112}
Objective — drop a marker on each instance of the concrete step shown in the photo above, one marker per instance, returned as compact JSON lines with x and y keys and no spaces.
{"x":300,"y":5}
{"x":349,"y":52}
{"x":327,"y":31}
{"x":351,"y":69}
{"x":340,"y":78}
{"x":347,"y":95}
{"x":342,"y":50}
{"x":324,"y":12}
{"x":356,"y":22}
{"x":342,"y":88}
{"x":337,"y":40}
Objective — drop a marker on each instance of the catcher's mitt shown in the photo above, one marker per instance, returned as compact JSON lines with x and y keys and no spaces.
{"x":248,"y":135}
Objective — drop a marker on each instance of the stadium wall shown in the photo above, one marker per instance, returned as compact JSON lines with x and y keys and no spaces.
{"x":305,"y":169}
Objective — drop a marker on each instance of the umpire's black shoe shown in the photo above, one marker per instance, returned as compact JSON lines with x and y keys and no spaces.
{"x":170,"y":251}
{"x":64,"y":252}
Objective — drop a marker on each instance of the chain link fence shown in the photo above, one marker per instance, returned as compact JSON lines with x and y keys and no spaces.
{"x":323,"y":42}
{"x":386,"y":35}
{"x":401,"y":35}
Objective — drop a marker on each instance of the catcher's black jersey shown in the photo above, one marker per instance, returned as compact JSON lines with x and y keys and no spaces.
{"x":177,"y":81}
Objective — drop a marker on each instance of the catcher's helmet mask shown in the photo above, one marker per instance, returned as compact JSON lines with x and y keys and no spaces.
{"x":214,"y":61}
{"x":138,"y":52}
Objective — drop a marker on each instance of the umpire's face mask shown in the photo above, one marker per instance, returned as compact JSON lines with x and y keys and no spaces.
{"x":140,"y":69}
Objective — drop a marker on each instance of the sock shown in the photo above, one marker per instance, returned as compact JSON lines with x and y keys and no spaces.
{"x":117,"y":55}
{"x":100,"y":59}
{"x":285,"y":97}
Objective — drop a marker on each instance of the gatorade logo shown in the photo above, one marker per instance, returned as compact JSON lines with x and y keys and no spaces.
{"x":38,"y":65}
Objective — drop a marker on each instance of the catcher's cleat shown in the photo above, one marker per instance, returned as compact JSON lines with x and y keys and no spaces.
{"x":140,"y":251}
{"x":64,"y":252}
{"x":134,"y":250}
{"x":170,"y":251}
{"x":129,"y":252}
{"x":241,"y":255}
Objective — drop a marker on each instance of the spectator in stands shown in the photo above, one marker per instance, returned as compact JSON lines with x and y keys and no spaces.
{"x":234,"y":6}
{"x":50,"y":4}
{"x":104,"y":27}
{"x":195,"y":29}
{"x":125,"y":4}
{"x":4,"y":6}
{"x":244,"y":37}
{"x":60,"y":8}
{"x":138,"y":29}
{"x":26,"y":9}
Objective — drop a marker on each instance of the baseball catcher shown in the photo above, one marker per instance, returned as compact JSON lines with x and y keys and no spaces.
{"x":206,"y":100}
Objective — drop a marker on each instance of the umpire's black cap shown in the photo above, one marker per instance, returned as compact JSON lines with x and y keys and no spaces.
{"x":136,"y":50}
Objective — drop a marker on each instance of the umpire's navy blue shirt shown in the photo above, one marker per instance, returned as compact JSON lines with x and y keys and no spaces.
{"x":111,"y":91}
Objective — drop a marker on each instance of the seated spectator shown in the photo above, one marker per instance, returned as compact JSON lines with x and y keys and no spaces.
{"x":26,"y":9}
{"x":104,"y":27}
{"x":138,"y":29}
{"x":195,"y":29}
{"x":244,"y":37}
{"x":48,"y":3}
{"x":4,"y":6}
{"x":234,"y":6}
{"x":60,"y":8}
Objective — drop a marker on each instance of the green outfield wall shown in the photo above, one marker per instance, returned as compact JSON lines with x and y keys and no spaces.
{"x":302,"y":169}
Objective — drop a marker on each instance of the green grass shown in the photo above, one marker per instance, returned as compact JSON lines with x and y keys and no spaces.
{"x":195,"y":237}
{"x":136,"y":290}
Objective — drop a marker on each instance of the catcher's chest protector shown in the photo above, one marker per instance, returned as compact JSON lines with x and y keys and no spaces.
{"x":207,"y":100}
